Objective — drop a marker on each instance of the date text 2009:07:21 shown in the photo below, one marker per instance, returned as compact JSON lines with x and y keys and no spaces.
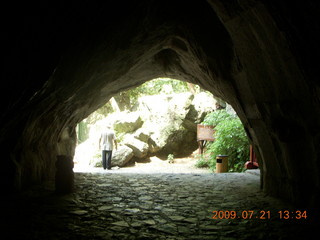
{"x":262,"y":214}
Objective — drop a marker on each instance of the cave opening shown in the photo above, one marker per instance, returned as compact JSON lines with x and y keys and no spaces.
{"x":147,"y":110}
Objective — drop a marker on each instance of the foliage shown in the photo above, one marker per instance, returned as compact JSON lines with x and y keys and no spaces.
{"x":170,"y":158}
{"x":154,"y":87}
{"x":162,"y":85}
{"x":230,"y":139}
{"x":105,"y":109}
{"x":83,"y":133}
{"x":202,"y":162}
{"x":126,"y":100}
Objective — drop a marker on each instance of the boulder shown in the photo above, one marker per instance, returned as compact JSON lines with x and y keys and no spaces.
{"x":142,"y":134}
{"x":122,"y":156}
{"x":164,"y":125}
{"x":180,"y":143}
{"x":202,"y":104}
{"x":139,"y":148}
{"x":127,"y":122}
{"x":159,"y":108}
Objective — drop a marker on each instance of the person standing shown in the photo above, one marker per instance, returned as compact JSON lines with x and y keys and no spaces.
{"x":106,"y":141}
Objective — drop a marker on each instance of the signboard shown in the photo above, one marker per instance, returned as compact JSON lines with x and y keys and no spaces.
{"x":205,"y":132}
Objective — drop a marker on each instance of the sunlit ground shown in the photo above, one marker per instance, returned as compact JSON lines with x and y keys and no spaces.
{"x":151,"y":165}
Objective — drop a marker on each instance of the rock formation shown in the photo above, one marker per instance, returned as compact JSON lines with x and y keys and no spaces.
{"x":153,"y":130}
{"x":127,"y":122}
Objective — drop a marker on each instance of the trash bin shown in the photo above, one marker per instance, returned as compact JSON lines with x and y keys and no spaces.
{"x":222,"y":163}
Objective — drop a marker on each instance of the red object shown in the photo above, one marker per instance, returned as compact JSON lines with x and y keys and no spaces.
{"x":253,"y":163}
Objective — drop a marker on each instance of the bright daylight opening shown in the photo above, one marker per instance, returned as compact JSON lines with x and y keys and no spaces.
{"x":157,"y":129}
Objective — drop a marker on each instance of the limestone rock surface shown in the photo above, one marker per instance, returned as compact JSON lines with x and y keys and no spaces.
{"x":163,"y":118}
{"x":139,"y":148}
{"x":127,"y":122}
{"x":202,"y":104}
{"x":120,"y":157}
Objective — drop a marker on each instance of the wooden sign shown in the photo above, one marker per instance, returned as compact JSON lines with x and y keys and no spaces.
{"x":205,"y":132}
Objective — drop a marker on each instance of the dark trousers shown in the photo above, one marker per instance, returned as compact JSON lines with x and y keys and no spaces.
{"x":106,"y":159}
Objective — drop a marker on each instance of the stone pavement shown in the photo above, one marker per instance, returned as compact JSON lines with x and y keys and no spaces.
{"x":111,"y":205}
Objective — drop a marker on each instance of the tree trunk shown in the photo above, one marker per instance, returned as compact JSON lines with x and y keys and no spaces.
{"x":114,"y":105}
{"x":191,"y":88}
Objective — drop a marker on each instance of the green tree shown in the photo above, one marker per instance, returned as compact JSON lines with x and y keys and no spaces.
{"x":83,"y":131}
{"x":154,"y":87}
{"x":126,"y":100}
{"x":230,"y":139}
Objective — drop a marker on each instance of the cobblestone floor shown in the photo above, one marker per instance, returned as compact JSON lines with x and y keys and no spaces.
{"x":111,"y":205}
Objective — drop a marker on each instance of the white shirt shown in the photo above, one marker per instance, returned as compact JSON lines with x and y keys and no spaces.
{"x":107,"y":139}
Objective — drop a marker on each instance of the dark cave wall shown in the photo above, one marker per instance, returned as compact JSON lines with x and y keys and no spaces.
{"x":277,"y":99}
{"x":65,"y":61}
